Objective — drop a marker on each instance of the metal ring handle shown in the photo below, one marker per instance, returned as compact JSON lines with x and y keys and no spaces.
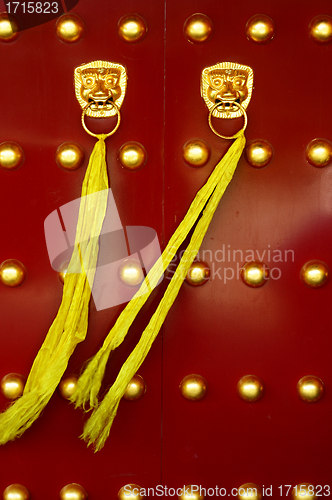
{"x":237,"y":133}
{"x":97,"y":135}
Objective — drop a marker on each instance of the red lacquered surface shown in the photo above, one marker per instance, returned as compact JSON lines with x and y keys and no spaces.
{"x":225,"y":329}
{"x":39,"y":111}
{"x":222,"y":330}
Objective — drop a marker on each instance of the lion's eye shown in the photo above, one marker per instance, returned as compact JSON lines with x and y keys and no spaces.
{"x":217,"y":82}
{"x":112,"y":81}
{"x":238,"y":82}
{"x":89,"y":81}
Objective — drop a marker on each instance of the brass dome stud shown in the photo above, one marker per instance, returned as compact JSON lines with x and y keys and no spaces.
{"x":314,"y":274}
{"x":304,"y":491}
{"x":73,"y":491}
{"x":11,"y":155}
{"x":320,"y":29}
{"x":16,"y":492}
{"x":12,"y":272}
{"x":135,"y":389}
{"x":9,"y":28}
{"x":249,"y":491}
{"x":69,"y":28}
{"x":198,"y":274}
{"x":63,"y":271}
{"x":193,"y":387}
{"x":130,"y":492}
{"x":132,"y":28}
{"x":196,"y":152}
{"x":254,"y":273}
{"x":310,"y":388}
{"x":132,"y":155}
{"x":198,"y":28}
{"x":260,"y":29}
{"x":69,"y":156}
{"x":12,"y":385}
{"x":250,"y":388}
{"x":319,"y":153}
{"x":191,"y":492}
{"x":130,"y":272}
{"x":258,"y":153}
{"x":68,"y":386}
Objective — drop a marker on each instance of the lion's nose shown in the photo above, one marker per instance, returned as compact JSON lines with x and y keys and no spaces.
{"x":229,"y":95}
{"x":226,"y":96}
{"x":100,"y":94}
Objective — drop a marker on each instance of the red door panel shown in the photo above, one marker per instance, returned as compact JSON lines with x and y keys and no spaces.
{"x":39,"y":111}
{"x":222,"y":330}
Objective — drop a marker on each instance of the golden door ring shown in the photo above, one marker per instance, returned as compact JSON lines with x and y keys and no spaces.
{"x":241,"y":108}
{"x":109,"y":133}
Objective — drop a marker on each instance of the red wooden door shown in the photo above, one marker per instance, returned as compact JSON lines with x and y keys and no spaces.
{"x":222,"y":330}
{"x":51,"y":455}
{"x":280,"y":215}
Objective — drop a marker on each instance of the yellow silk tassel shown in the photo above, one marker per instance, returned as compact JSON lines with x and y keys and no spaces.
{"x":71,"y":322}
{"x":97,"y":428}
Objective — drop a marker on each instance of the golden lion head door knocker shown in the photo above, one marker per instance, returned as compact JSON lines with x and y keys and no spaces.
{"x":226,"y":89}
{"x":100,"y":88}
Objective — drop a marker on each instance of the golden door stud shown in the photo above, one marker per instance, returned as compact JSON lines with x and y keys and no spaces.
{"x":319,"y":152}
{"x":130,"y":272}
{"x":304,"y":491}
{"x":69,"y":156}
{"x":68,"y":386}
{"x":254,"y":274}
{"x":9,"y":27}
{"x":135,"y":389}
{"x":73,"y":491}
{"x":190,"y":492}
{"x":193,"y":387}
{"x":16,"y":492}
{"x":249,"y":491}
{"x":69,"y":28}
{"x":132,"y":28}
{"x":12,"y":385}
{"x":132,"y":155}
{"x":130,"y":492}
{"x":198,"y":28}
{"x":250,"y":388}
{"x":196,"y":152}
{"x":310,"y":388}
{"x":12,"y":272}
{"x":320,"y":29}
{"x":260,"y":29}
{"x":314,"y":273}
{"x":258,"y":153}
{"x":11,"y":155}
{"x":198,"y":274}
